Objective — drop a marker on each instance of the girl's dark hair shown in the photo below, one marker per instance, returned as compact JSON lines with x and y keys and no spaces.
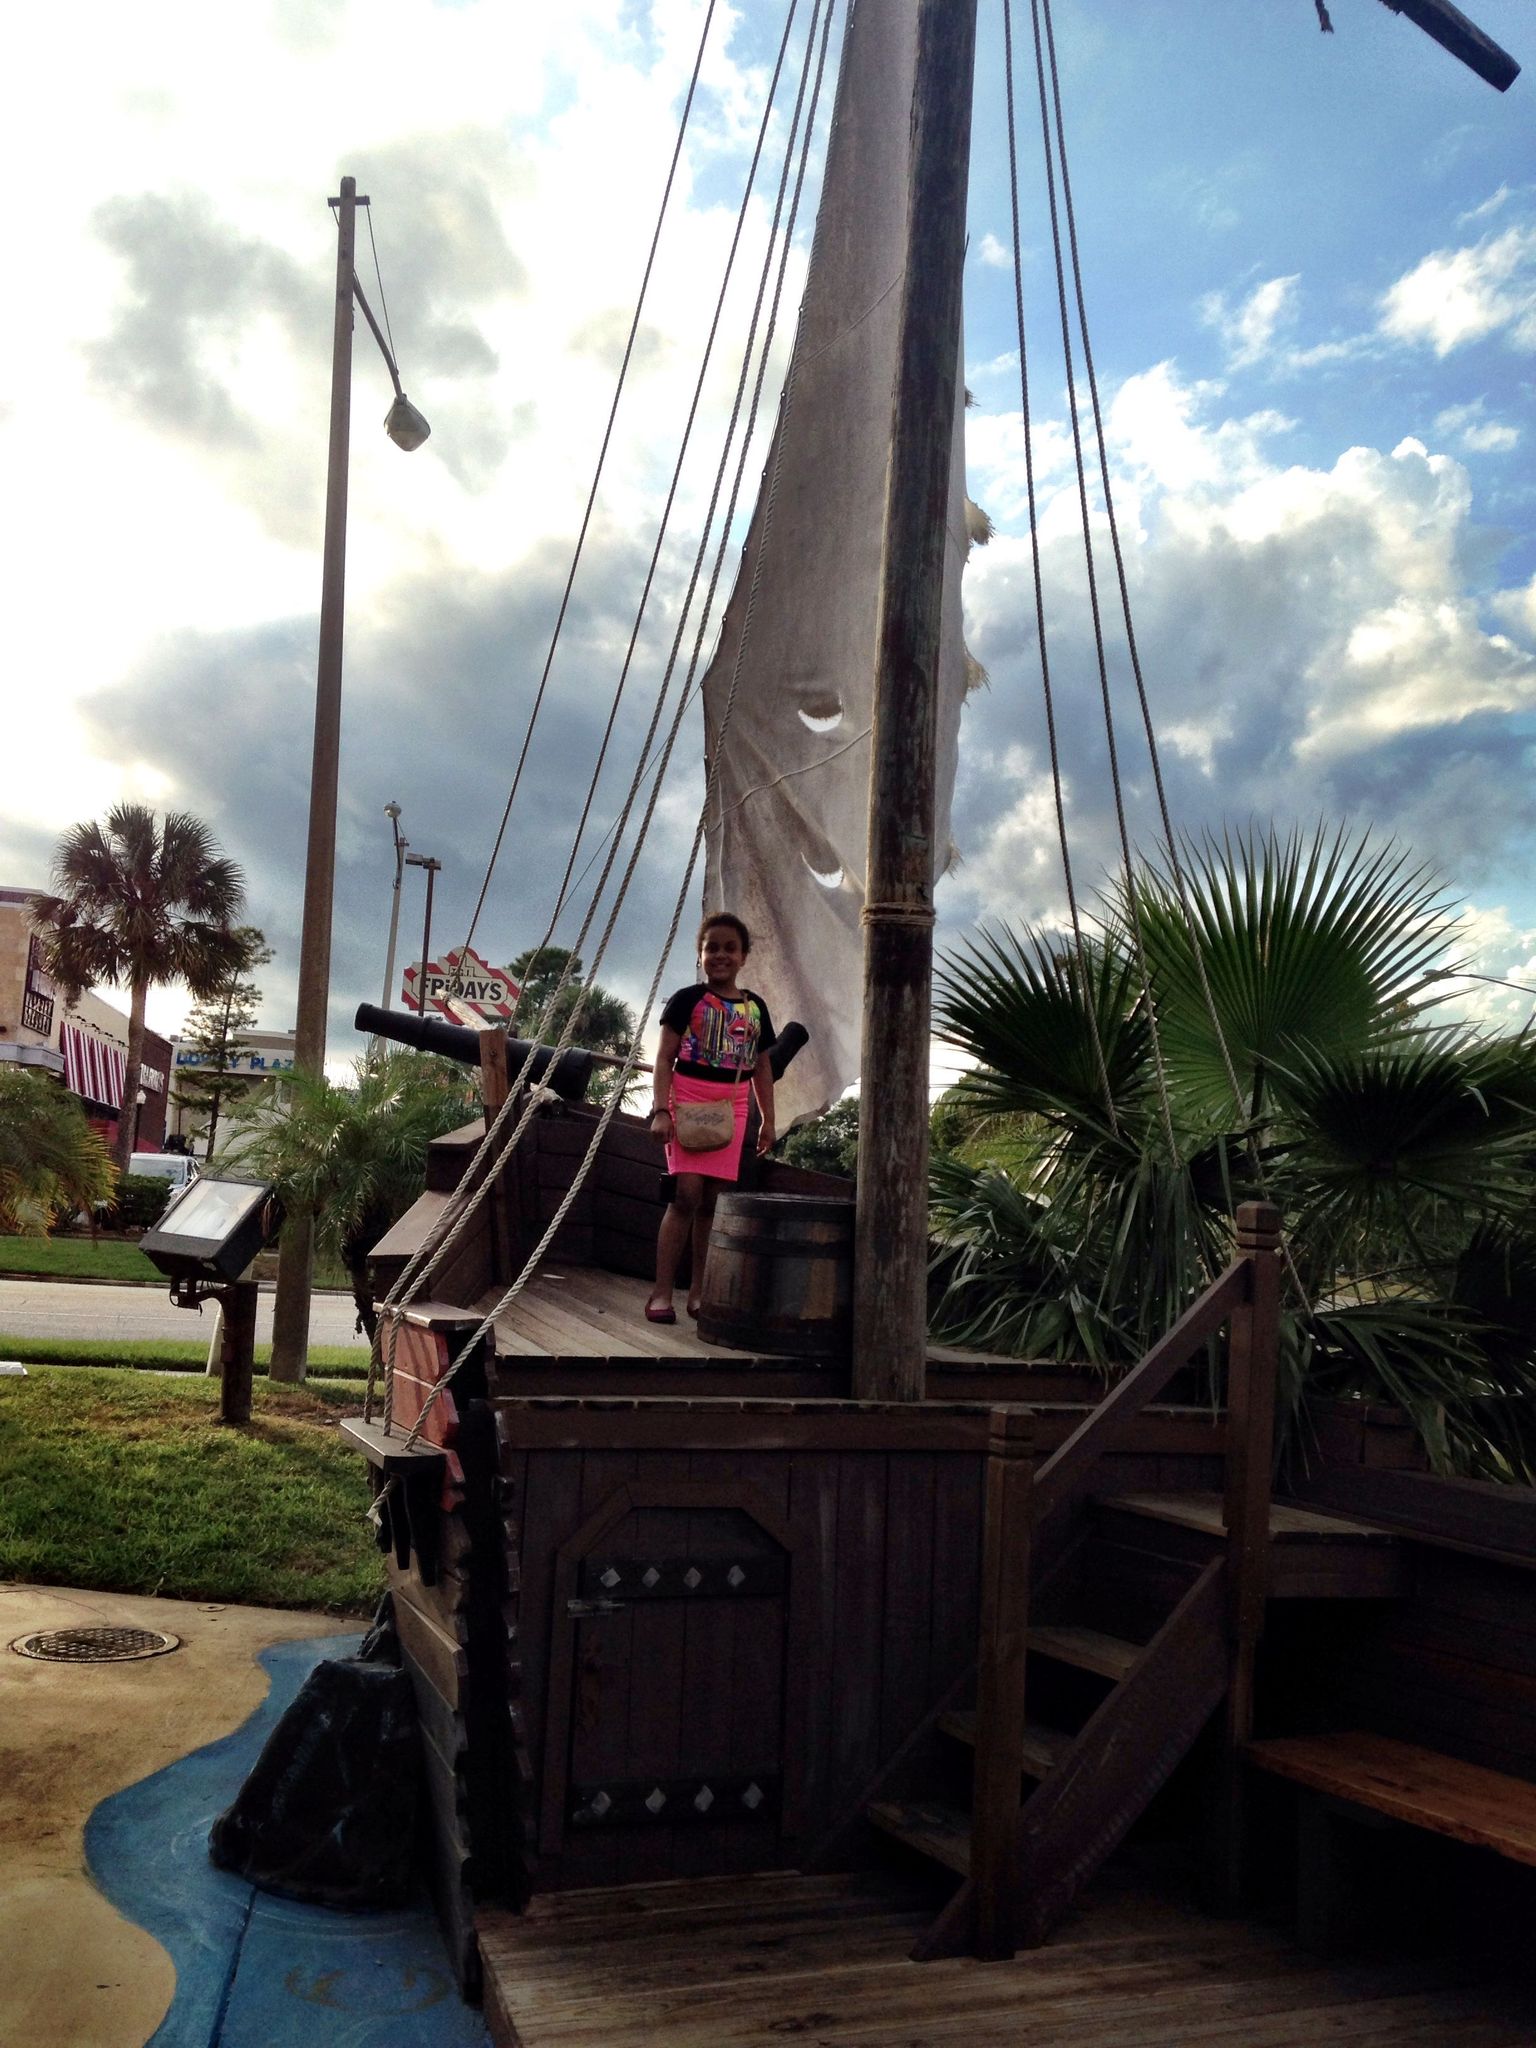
{"x":730,"y":918}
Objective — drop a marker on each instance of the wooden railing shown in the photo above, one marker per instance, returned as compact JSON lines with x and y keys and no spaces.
{"x":1246,"y":1298}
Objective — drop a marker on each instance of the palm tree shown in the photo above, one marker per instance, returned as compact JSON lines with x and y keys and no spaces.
{"x":1277,"y":1046}
{"x":144,"y":903}
{"x":605,"y":1022}
{"x":355,"y":1158}
{"x":50,"y":1158}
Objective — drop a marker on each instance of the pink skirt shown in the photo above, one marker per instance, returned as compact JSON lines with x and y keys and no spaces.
{"x":724,"y":1163}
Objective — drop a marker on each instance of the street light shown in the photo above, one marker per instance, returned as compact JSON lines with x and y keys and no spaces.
{"x":434,"y":868}
{"x":407,"y":429}
{"x":392,"y":812}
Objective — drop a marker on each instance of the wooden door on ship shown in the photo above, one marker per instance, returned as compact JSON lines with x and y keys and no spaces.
{"x":666,"y":1732}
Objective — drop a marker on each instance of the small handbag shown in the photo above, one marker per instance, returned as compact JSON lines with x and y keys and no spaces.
{"x":705,"y":1126}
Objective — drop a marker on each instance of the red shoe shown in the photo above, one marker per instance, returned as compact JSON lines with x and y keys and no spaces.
{"x":660,"y":1312}
{"x":693,"y":1310}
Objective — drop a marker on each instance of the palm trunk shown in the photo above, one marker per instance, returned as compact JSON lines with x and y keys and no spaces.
{"x":128,"y":1108}
{"x":362,"y":1294}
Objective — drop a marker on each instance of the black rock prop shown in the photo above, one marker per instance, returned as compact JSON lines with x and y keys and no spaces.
{"x":328,"y":1813}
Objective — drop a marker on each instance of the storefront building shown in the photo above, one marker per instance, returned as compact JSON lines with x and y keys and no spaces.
{"x":263,"y":1062}
{"x":84,"y":1043}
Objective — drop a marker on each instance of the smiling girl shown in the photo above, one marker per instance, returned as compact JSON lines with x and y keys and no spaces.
{"x":711,"y":1033}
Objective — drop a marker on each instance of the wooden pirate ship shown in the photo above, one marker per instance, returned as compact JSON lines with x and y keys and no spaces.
{"x":826,"y":1598}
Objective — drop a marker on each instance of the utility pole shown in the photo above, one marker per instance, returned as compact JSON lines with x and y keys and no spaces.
{"x":891,"y":1244}
{"x":296,"y":1256}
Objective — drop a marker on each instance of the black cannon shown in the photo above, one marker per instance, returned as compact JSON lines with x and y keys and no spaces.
{"x":571,"y":1075}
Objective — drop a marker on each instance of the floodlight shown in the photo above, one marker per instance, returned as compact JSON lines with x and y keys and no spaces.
{"x":215,"y":1230}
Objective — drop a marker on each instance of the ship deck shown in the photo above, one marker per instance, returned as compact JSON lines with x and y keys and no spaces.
{"x":749,"y":1962}
{"x":579,"y":1325}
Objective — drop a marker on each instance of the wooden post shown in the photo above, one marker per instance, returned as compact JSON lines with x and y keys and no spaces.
{"x":493,"y":1072}
{"x":1000,"y":1671}
{"x":891,"y":1273}
{"x":237,"y":1351}
{"x":1252,"y":1373}
{"x":1253,"y":1363}
{"x":505,"y":1213}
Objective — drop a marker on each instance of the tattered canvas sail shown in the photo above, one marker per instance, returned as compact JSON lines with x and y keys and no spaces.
{"x":787,"y":832}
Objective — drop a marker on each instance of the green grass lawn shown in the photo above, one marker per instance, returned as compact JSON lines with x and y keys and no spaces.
{"x":157,"y":1354}
{"x":76,"y":1258}
{"x":81,"y":1257}
{"x":127,"y":1484}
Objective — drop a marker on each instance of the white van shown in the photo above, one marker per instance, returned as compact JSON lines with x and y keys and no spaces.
{"x":179,"y":1168}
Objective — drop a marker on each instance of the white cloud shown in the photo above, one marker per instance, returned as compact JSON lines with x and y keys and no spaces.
{"x":1307,"y":636}
{"x":1517,"y":608}
{"x":1250,"y":327}
{"x":1456,"y":296}
{"x":1019,"y":864}
{"x":1494,"y":949}
{"x":993,"y":253}
{"x":1488,"y":207}
{"x":1155,"y":423}
{"x":1473,"y":431}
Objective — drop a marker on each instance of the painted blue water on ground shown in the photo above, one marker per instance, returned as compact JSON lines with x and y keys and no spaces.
{"x":254,"y":1971}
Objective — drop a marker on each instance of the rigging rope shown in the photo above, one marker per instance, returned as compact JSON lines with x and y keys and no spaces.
{"x":1154,"y":754}
{"x":1034,"y":549}
{"x":602,"y":457}
{"x":435,"y":1247}
{"x":1045,"y":57}
{"x":562,"y":894}
{"x":455,"y":1221}
{"x":713,"y":768}
{"x":1159,"y":1071}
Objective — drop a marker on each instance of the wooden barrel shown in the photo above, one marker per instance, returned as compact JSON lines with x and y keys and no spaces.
{"x":779,"y":1276}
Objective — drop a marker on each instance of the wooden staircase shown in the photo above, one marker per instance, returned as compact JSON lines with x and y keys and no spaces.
{"x":1119,"y":1693}
{"x":1143,"y":1622}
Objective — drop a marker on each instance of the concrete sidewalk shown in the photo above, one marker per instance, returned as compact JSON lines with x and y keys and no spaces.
{"x":78,"y":1975}
{"x":123,"y":1767}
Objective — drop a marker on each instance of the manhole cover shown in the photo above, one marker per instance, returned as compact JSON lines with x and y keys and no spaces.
{"x":95,"y":1645}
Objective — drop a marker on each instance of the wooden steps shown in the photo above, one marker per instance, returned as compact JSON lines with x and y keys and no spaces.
{"x":1043,"y":1747}
{"x":1087,"y":1649}
{"x":1129,"y":1662}
{"x":1312,"y":1556}
{"x":941,"y":1833}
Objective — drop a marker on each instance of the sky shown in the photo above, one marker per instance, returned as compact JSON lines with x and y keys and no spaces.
{"x":1310,"y":271}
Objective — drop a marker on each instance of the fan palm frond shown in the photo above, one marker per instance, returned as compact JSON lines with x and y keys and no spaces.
{"x":1018,"y":1007}
{"x":1321,"y":940}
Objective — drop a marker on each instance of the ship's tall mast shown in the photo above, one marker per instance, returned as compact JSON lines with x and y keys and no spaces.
{"x":890,"y":1287}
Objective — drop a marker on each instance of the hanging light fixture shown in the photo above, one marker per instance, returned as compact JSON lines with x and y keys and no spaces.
{"x":405,"y":426}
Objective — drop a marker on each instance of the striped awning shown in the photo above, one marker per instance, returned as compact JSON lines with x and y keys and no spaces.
{"x":93,"y":1070}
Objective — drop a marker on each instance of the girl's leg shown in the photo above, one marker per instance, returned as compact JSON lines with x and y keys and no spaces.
{"x":703,"y":1218}
{"x":672,"y":1239}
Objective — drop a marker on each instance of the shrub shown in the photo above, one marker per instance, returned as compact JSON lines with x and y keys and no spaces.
{"x":140,"y":1201}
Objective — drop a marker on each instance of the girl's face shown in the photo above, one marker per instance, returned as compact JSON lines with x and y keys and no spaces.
{"x":721,"y":955}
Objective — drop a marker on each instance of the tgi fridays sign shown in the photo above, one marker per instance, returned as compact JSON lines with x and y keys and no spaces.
{"x":463,"y":988}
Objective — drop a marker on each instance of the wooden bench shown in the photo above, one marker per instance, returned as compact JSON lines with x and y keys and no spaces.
{"x":1357,"y":1776}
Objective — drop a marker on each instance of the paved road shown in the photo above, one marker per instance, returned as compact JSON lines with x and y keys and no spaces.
{"x":50,"y":1308}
